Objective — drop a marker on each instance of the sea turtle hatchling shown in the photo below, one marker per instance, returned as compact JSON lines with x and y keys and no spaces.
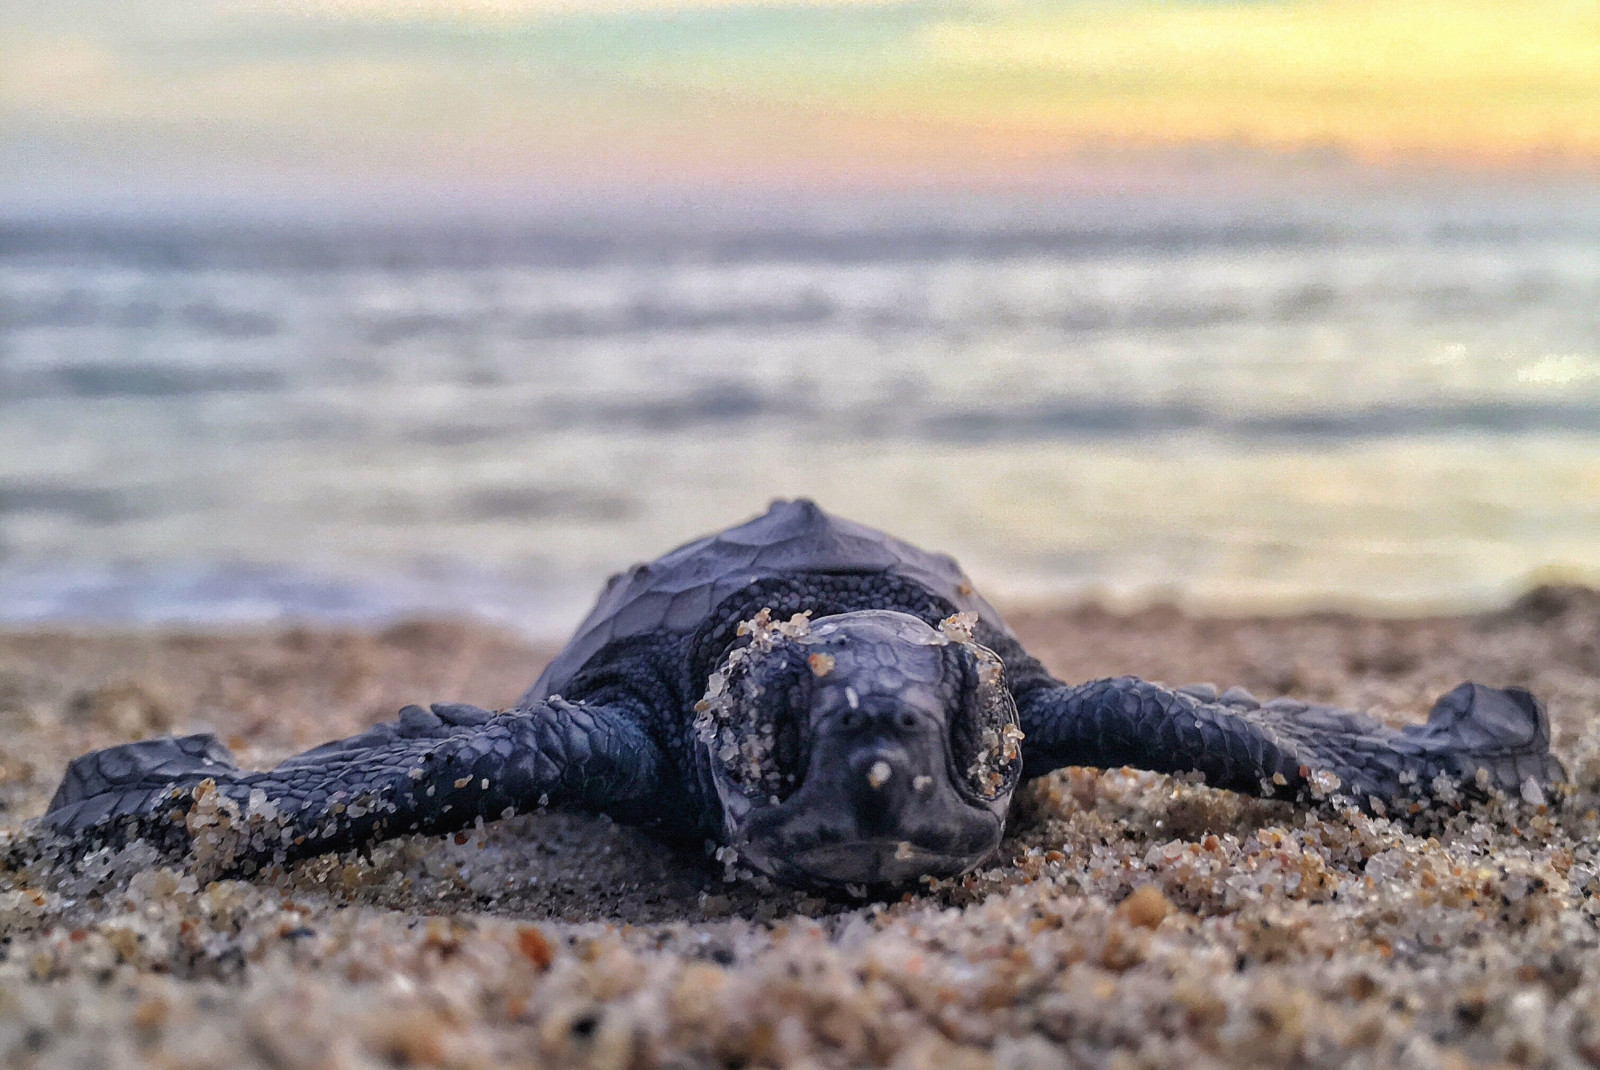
{"x":836,"y":706}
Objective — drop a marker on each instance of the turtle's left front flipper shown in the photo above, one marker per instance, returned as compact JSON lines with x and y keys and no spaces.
{"x":429,"y":771}
{"x":1474,"y":732}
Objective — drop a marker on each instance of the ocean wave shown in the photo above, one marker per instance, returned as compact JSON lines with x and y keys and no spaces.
{"x":1065,"y":420}
{"x":170,"y":247}
{"x":78,"y":307}
{"x":547,"y":402}
{"x":81,"y":504}
{"x":244,"y":594}
{"x":92,"y":381}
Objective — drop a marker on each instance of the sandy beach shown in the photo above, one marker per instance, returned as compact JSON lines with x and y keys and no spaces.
{"x":1130,"y":920}
{"x":346,"y":350}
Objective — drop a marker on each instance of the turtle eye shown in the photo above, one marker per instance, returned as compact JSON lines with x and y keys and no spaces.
{"x":791,"y":747}
{"x":985,"y":733}
{"x":751,"y":724}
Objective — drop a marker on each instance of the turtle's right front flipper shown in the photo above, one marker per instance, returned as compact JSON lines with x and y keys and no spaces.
{"x":432,"y":771}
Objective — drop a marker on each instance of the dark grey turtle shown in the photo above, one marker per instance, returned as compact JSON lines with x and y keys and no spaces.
{"x":836,"y":706}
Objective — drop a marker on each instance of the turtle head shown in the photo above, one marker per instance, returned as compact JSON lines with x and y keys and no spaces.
{"x":865,"y":748}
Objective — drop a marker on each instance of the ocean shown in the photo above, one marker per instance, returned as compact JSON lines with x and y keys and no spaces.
{"x":1388,"y":401}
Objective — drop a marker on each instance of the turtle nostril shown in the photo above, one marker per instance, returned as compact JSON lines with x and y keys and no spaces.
{"x":879,"y":774}
{"x":906,"y":721}
{"x":850,"y":720}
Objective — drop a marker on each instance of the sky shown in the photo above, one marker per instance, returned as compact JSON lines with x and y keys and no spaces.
{"x":373,"y":99}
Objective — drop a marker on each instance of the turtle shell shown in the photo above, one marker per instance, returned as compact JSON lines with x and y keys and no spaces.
{"x":675,"y":593}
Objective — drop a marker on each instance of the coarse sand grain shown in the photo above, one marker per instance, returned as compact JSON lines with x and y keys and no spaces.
{"x":1130,"y":920}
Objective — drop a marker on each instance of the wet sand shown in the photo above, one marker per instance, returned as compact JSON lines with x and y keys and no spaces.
{"x":1131,"y":920}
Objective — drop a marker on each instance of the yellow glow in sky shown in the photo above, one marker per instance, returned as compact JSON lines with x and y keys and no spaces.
{"x":1376,"y":78}
{"x":352,"y":94}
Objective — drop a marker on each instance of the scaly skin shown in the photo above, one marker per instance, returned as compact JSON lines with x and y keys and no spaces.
{"x":1272,"y":748}
{"x":622,"y":741}
{"x":423,"y":773}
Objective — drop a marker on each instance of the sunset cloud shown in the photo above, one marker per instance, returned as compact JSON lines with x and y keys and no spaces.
{"x":546,"y":94}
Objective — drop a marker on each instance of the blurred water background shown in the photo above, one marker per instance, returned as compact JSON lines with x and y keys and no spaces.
{"x":1386,"y":402}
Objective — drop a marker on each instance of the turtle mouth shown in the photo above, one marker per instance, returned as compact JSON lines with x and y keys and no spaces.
{"x":828,"y":834}
{"x":874,"y":862}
